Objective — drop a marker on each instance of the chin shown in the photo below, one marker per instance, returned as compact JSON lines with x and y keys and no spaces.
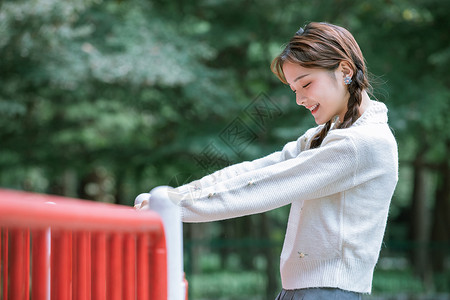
{"x":320,"y":122}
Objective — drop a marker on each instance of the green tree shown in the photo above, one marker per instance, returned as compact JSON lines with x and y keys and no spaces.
{"x":106,"y":99}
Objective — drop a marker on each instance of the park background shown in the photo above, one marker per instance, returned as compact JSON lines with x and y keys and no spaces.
{"x":103,"y":100}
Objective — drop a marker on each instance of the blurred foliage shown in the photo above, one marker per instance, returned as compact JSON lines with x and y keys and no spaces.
{"x":106,"y":99}
{"x":225,"y":284}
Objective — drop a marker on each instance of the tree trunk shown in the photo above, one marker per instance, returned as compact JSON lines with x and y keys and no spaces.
{"x":245,"y":231}
{"x":120,"y":196}
{"x":420,"y":221}
{"x":226,"y":233}
{"x":441,"y":219}
{"x":271,"y":272}
{"x":197,"y":233}
{"x":65,"y":184}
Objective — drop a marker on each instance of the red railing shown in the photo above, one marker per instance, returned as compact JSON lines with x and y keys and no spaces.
{"x":60,"y":248}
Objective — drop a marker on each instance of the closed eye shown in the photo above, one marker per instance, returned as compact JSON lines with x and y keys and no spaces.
{"x":306,"y":85}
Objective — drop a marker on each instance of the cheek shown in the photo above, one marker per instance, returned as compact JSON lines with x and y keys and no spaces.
{"x":328,"y":93}
{"x":320,"y":93}
{"x":330,"y":98}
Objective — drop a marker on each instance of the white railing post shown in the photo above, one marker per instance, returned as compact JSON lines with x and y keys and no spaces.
{"x":170,"y":214}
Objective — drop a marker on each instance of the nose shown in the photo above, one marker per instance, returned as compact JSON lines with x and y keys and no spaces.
{"x":300,"y":99}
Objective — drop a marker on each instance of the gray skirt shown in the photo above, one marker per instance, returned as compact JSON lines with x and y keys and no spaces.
{"x":318,"y":294}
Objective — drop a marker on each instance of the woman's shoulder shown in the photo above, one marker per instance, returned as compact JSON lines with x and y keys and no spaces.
{"x":368,"y":136}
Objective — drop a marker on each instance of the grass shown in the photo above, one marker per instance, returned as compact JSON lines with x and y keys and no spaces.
{"x":232,"y":283}
{"x":227,"y":285}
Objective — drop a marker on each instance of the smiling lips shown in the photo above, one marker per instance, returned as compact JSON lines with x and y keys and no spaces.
{"x":314,"y":108}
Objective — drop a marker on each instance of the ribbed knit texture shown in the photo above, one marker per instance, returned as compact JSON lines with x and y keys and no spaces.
{"x":340,"y":195}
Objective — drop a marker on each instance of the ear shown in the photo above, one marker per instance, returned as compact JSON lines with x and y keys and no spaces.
{"x":346,"y":69}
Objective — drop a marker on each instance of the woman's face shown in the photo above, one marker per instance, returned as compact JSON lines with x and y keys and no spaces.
{"x":323,"y":92}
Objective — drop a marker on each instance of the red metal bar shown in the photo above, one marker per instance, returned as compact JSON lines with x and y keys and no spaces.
{"x":27,"y":263}
{"x":118,"y":253}
{"x":99,"y":266}
{"x":115,"y":264}
{"x":5,"y":263}
{"x":40,"y":265}
{"x":61,"y":265}
{"x":72,"y":214}
{"x":186,"y":284}
{"x":81,"y":266}
{"x":129,"y":257}
{"x":158,"y":272}
{"x":19,"y":265}
{"x":143,"y":247}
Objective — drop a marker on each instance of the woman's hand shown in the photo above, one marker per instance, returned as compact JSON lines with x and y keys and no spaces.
{"x":141,"y":206}
{"x":141,"y":201}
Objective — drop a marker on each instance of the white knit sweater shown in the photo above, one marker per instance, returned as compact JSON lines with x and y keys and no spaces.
{"x":339,"y":195}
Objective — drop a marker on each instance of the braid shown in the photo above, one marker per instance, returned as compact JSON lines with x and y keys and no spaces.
{"x":317,"y":140}
{"x":358,"y":84}
{"x":355,"y":89}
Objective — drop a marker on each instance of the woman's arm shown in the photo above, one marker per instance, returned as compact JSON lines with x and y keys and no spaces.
{"x":312,"y":174}
{"x":289,"y":151}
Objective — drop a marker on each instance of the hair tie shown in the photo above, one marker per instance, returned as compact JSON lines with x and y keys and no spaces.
{"x":300,"y":31}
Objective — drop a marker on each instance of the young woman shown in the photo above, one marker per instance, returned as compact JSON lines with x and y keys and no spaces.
{"x":338,"y":177}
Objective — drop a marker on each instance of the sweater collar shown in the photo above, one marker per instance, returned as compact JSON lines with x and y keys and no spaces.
{"x":376,"y":113}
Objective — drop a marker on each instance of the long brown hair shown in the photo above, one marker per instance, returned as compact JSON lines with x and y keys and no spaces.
{"x":325,"y":46}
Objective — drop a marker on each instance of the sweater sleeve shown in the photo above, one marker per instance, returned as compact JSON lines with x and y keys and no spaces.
{"x":312,"y":174}
{"x":289,"y":151}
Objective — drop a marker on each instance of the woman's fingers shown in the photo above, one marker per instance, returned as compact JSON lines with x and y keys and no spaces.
{"x":142,"y":205}
{"x":141,"y":201}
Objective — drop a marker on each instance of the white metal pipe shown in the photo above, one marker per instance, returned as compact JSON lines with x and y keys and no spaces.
{"x":170,"y":213}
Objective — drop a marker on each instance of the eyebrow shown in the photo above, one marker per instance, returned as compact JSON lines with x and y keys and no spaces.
{"x":300,"y":77}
